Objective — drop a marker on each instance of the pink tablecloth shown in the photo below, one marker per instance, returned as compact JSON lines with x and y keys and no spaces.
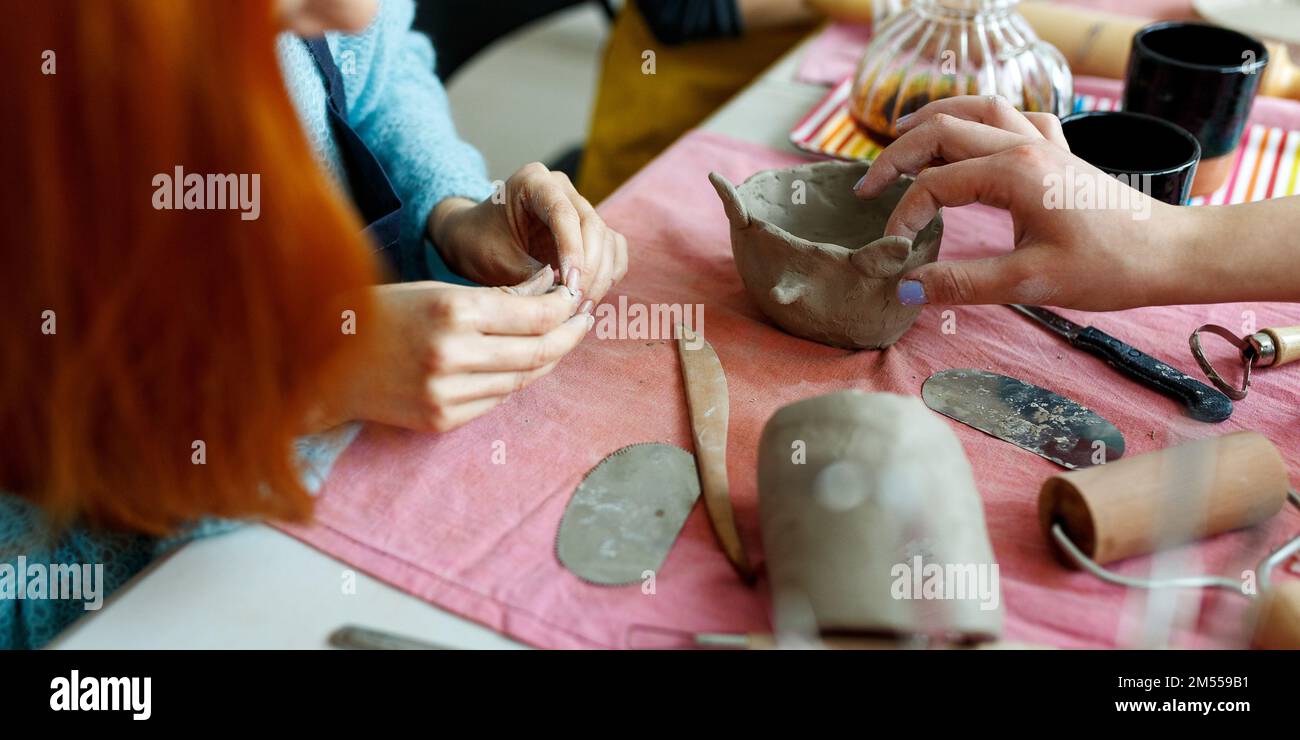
{"x":434,"y":516}
{"x":835,"y":53}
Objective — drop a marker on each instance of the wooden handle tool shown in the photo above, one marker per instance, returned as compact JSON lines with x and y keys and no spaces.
{"x":709,"y":406}
{"x":1277,"y":624}
{"x":1264,"y":348}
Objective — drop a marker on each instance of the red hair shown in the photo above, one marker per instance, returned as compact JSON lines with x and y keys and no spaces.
{"x":175,"y":332}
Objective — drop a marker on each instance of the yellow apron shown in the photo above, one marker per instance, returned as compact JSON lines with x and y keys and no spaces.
{"x":637,"y":114}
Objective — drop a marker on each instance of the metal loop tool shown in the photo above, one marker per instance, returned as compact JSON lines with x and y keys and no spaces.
{"x":1264,"y":348}
{"x":1262,"y":571}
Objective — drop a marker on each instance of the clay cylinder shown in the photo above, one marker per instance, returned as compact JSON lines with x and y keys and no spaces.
{"x":1166,"y":498}
{"x":1277,"y":625}
{"x":871,"y":523}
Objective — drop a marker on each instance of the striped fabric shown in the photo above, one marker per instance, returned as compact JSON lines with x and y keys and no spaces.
{"x":1267,"y":162}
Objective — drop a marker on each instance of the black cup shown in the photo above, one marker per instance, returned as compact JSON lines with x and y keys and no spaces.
{"x":1149,"y":154}
{"x":1201,"y":77}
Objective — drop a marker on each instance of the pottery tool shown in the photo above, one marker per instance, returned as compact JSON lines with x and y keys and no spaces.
{"x":764,"y":641}
{"x":1264,"y":348}
{"x":1203,"y":402}
{"x":626,"y":514}
{"x":1168,"y":498}
{"x":706,"y":398}
{"x":352,"y":637}
{"x":1029,"y":417}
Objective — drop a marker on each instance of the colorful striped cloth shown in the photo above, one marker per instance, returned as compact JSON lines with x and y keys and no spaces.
{"x":1267,"y":163}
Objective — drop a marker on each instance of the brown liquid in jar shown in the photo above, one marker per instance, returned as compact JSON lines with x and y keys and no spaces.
{"x":875,"y":117}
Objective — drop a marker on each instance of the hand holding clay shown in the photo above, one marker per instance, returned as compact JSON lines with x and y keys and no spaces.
{"x":538,"y":218}
{"x":1076,"y":255}
{"x":446,"y":354}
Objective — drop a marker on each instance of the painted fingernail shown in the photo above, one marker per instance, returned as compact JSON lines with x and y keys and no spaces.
{"x":861,"y":180}
{"x":586,"y":307}
{"x":903,"y":122}
{"x":911,"y":293}
{"x":573,"y":279}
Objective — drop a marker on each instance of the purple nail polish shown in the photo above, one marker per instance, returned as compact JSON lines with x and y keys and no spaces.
{"x":901,"y":122}
{"x":858,"y":186}
{"x":911,"y":293}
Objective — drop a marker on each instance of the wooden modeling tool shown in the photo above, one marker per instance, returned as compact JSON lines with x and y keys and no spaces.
{"x":1264,"y":348}
{"x":709,"y":406}
{"x":765,"y":641}
{"x":1203,"y":402}
{"x":1163,"y":499}
{"x":354,"y":637}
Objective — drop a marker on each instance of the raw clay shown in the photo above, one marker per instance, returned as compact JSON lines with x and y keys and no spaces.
{"x":854,"y":488}
{"x":811,"y":253}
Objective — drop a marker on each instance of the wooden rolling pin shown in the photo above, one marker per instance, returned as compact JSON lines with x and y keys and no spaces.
{"x":1094,"y":43}
{"x":1138,"y":505}
{"x":1098,"y":44}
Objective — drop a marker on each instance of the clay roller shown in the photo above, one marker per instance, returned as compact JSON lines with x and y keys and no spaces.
{"x":1163,"y":499}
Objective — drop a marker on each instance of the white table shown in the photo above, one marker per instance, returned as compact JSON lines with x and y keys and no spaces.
{"x":259,"y":588}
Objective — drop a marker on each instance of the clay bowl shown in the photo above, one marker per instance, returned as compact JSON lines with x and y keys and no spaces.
{"x":812,"y":257}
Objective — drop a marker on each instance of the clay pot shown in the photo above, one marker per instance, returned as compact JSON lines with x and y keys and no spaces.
{"x":811,"y":254}
{"x":862,"y":496}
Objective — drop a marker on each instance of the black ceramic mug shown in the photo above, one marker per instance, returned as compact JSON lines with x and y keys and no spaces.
{"x":1147,"y":153}
{"x":1201,"y":77}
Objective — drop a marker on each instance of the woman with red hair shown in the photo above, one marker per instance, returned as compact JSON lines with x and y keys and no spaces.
{"x":186,"y":293}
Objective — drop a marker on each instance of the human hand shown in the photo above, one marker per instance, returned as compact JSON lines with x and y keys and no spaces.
{"x":982,"y":150}
{"x":538,"y":219}
{"x":445,"y":354}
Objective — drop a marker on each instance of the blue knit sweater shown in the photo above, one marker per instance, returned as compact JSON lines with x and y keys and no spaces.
{"x":397,"y":106}
{"x":400,"y":110}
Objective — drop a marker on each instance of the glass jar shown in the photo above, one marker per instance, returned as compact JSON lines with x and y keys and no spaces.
{"x":942,"y":48}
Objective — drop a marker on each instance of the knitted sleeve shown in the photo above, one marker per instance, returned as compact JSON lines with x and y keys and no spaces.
{"x":400,"y":109}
